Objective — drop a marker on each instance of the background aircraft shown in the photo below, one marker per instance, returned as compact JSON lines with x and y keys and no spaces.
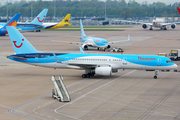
{"x":92,"y":41}
{"x":12,"y":22}
{"x":158,"y":23}
{"x":100,"y":64}
{"x":63,"y":23}
{"x":36,"y":24}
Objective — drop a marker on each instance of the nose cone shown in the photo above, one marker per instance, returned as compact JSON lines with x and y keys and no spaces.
{"x":174,"y":66}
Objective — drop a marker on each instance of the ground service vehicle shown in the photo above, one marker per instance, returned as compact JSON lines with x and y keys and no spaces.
{"x":174,"y":54}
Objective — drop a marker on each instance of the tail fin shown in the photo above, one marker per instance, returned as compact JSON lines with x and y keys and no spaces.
{"x":154,"y":14}
{"x":66,"y":19}
{"x":20,"y":44}
{"x":82,"y":30}
{"x":63,"y":23}
{"x":178,"y":8}
{"x":40,"y":18}
{"x":13,"y":21}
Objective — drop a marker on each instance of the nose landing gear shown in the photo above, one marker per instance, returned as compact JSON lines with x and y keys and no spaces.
{"x":156,"y":73}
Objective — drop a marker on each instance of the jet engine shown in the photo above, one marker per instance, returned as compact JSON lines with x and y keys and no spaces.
{"x":85,"y":47}
{"x":108,"y":46}
{"x":106,"y":71}
{"x":144,"y":26}
{"x":173,"y":26}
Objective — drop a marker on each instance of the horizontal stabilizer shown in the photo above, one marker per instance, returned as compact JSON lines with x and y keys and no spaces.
{"x":18,"y":57}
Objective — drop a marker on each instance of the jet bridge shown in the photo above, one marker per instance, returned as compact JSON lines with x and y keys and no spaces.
{"x":60,"y":92}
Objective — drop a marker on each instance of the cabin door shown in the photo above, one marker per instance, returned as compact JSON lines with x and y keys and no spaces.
{"x":125,"y":61}
{"x":159,"y":62}
{"x":36,"y":58}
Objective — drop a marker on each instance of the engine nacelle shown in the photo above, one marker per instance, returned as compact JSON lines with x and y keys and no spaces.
{"x":84,"y":46}
{"x":173,"y":26}
{"x":106,"y":71}
{"x":108,"y":46}
{"x":144,"y":26}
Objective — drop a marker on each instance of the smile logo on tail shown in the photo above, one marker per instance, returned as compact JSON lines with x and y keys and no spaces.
{"x":17,"y":45}
{"x":40,"y":20}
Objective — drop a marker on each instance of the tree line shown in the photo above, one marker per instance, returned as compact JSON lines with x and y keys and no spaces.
{"x":91,"y":8}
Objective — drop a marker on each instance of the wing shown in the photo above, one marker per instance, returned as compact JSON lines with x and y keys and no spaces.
{"x":112,"y":42}
{"x":78,"y":43}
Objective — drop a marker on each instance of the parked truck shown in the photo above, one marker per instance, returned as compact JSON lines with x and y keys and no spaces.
{"x":174,"y":54}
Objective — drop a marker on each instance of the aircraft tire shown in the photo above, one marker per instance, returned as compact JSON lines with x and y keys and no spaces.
{"x":155,"y":77}
{"x":88,"y":76}
{"x":83,"y":76}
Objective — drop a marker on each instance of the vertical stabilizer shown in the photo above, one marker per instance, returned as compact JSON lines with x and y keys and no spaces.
{"x":178,"y":8}
{"x":82,"y":30}
{"x":13,"y":21}
{"x":66,"y":19}
{"x":154,"y":14}
{"x":20,"y":44}
{"x":40,"y":18}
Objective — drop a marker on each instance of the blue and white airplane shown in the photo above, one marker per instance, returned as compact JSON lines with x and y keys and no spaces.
{"x":99,"y":64}
{"x":12,"y":22}
{"x":36,"y":24}
{"x":94,"y":41}
{"x":87,"y":41}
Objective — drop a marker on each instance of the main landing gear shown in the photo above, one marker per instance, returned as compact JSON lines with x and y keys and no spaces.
{"x":156,"y":73}
{"x":88,"y":74}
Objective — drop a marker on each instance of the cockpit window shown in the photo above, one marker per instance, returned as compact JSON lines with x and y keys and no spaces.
{"x":104,"y":42}
{"x":168,"y":61}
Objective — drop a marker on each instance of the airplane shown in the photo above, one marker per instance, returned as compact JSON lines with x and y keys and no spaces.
{"x":87,"y":41}
{"x":63,"y":23}
{"x":157,"y":23}
{"x":178,"y":8}
{"x":12,"y":22}
{"x":99,"y":64}
{"x":36,"y":24}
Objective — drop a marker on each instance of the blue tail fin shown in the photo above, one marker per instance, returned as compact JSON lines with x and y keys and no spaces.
{"x":40,"y":18}
{"x":82,"y":30}
{"x":20,"y":44}
{"x":13,"y":21}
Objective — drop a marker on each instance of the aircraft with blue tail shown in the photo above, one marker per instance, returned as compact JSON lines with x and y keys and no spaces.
{"x":36,"y":24}
{"x":99,"y":64}
{"x":88,"y":41}
{"x":12,"y":22}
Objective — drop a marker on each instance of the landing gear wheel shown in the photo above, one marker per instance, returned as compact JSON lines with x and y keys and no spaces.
{"x":155,"y":77}
{"x":88,"y":76}
{"x":150,"y":29}
{"x":83,"y":76}
{"x":165,"y":28}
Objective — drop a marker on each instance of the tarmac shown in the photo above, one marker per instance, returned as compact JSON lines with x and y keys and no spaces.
{"x":25,"y":90}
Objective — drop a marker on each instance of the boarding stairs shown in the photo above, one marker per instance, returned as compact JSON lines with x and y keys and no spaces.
{"x":60,"y":92}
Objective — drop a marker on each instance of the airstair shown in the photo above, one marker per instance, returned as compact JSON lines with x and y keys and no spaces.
{"x":60,"y":92}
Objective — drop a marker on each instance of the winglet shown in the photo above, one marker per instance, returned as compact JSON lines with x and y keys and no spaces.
{"x":128,"y":36}
{"x":178,"y":8}
{"x":81,"y":50}
{"x":82,"y":30}
{"x":56,"y":58}
{"x":40,"y":18}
